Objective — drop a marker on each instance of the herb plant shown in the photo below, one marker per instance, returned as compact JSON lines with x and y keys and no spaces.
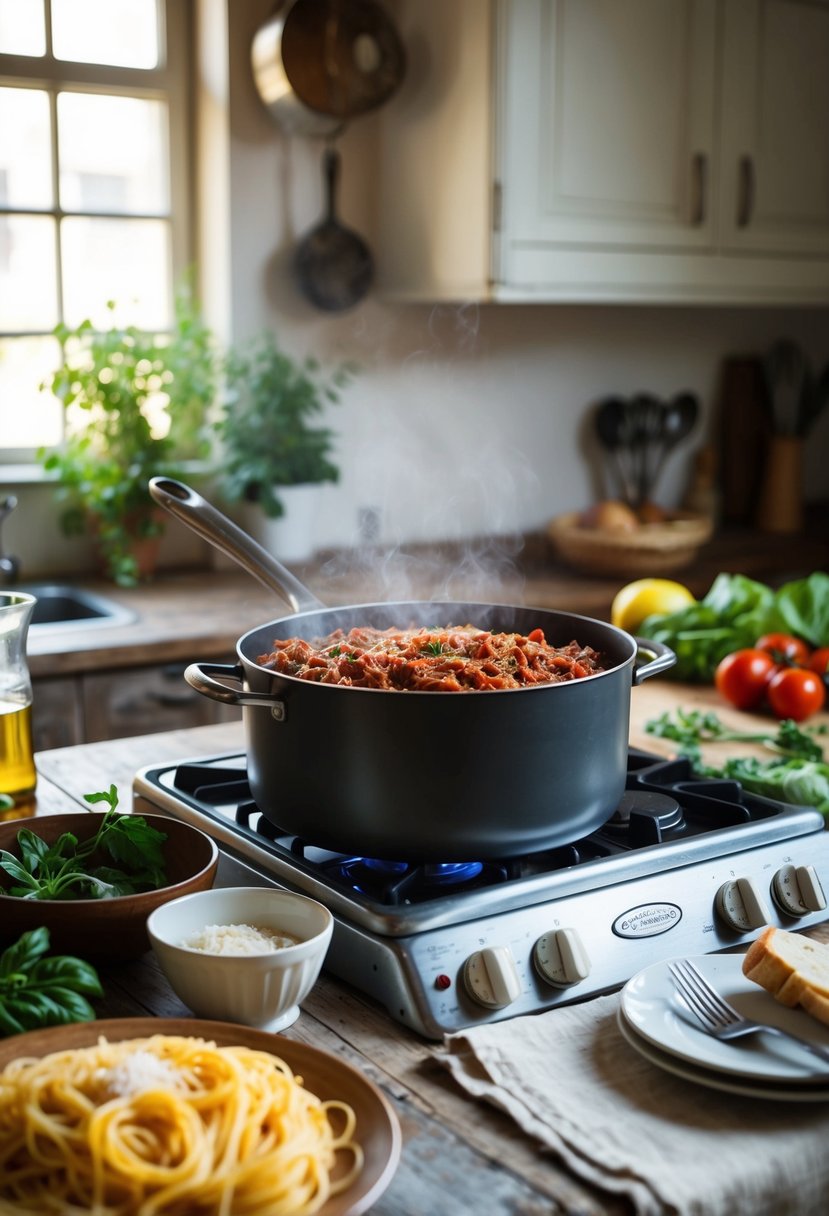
{"x":68,"y":869}
{"x":270,"y":429}
{"x":39,"y":991}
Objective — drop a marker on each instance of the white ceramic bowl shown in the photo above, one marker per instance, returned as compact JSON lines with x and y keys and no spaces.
{"x":261,"y":990}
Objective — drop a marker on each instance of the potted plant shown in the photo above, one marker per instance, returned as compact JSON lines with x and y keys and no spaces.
{"x":271,"y":442}
{"x":136,"y":406}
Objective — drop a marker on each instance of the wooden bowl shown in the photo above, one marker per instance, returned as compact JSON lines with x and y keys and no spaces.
{"x":651,"y":549}
{"x":101,"y":930}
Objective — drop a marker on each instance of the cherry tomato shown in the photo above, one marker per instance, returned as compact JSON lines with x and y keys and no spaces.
{"x":785,"y":647}
{"x":819,"y":661}
{"x":796,"y":693}
{"x":742,"y":677}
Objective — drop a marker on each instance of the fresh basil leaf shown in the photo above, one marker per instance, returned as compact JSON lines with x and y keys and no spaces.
{"x":804,"y":606}
{"x":64,"y":971}
{"x":16,"y":868}
{"x":25,"y":952}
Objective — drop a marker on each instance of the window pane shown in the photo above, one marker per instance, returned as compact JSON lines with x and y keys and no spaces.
{"x":100,"y":31}
{"x":127,"y":261}
{"x":22,"y":28}
{"x":25,"y":149}
{"x":28,"y":289}
{"x":113,"y":154}
{"x":28,"y":417}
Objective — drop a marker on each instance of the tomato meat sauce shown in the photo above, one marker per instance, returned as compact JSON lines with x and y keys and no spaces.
{"x":462,"y":659}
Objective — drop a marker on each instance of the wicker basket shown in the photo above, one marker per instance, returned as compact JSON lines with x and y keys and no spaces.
{"x":657,"y":548}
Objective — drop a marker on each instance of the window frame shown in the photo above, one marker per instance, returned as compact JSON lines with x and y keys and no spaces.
{"x":170,"y":81}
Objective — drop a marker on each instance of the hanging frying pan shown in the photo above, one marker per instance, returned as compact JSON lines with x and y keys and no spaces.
{"x":333,"y":265}
{"x":319,"y":63}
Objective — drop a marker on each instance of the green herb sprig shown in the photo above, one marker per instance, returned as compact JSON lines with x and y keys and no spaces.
{"x":38,"y":991}
{"x":66,"y":870}
{"x":798,"y":774}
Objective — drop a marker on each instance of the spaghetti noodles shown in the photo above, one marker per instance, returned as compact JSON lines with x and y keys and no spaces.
{"x":431,"y":660}
{"x":168,"y":1125}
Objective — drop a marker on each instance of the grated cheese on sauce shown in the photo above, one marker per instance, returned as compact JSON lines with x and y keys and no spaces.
{"x":138,"y":1073}
{"x":237,"y":939}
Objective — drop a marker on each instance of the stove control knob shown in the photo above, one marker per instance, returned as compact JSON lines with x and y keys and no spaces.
{"x":797,"y":891}
{"x":560,"y":958}
{"x":742,"y":906}
{"x":490,"y":977}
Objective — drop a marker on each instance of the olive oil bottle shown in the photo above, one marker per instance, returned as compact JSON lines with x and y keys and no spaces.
{"x":18,"y":776}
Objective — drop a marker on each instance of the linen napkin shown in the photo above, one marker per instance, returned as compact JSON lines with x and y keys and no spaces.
{"x":672,"y":1146}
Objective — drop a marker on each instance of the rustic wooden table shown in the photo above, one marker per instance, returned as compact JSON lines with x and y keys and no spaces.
{"x":458,"y":1156}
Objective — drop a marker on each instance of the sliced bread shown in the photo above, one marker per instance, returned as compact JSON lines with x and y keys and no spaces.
{"x":794,"y":969}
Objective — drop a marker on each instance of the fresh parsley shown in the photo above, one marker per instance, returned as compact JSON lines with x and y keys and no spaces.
{"x":798,"y":774}
{"x":40,"y":991}
{"x":69,"y":869}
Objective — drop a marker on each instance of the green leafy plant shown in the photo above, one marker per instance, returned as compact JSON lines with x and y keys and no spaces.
{"x":136,"y":405}
{"x":40,"y":991}
{"x":68,"y":869}
{"x":268,"y":429}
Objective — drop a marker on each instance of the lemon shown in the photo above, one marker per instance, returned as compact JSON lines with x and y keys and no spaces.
{"x":645,"y":597}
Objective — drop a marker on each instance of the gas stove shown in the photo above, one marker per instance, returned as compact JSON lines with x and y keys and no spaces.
{"x":683,"y":867}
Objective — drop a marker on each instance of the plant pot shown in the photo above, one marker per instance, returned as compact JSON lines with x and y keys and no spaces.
{"x":290,"y":537}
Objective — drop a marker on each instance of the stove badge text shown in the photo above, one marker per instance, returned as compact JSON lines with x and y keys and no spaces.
{"x":647,"y":920}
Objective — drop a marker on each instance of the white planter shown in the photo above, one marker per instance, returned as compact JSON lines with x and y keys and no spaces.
{"x":290,"y":538}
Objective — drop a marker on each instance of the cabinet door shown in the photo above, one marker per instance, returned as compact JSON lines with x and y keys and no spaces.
{"x":141,"y":701}
{"x":606,"y":132}
{"x":775,"y":123}
{"x":57,"y":712}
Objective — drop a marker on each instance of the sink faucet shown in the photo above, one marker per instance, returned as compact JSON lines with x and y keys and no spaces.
{"x":9,"y":566}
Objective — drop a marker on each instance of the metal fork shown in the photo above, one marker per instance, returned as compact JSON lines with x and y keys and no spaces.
{"x":720,"y":1019}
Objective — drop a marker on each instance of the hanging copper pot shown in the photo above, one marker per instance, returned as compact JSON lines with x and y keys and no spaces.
{"x":319,"y":63}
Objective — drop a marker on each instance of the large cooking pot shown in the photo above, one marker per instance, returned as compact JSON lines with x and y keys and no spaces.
{"x":413,"y":776}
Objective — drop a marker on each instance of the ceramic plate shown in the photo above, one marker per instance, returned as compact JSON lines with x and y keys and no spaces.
{"x":325,"y":1075}
{"x":653,"y":1009}
{"x":778,"y":1091}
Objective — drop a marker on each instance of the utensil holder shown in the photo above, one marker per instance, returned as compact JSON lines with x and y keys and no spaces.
{"x":780,"y":508}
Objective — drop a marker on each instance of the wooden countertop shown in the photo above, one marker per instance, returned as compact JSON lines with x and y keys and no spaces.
{"x":199,"y":614}
{"x":459,"y":1156}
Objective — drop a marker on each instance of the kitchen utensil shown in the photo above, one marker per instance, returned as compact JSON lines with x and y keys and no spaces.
{"x":612,"y":422}
{"x":722,"y":1082}
{"x":263,"y":990}
{"x":424,"y":775}
{"x":318,"y":63}
{"x":333,"y":265}
{"x":679,"y":418}
{"x":722,"y":1020}
{"x":786,"y":373}
{"x":652,"y":1008}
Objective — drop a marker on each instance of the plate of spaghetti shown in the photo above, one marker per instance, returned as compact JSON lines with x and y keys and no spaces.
{"x":179,"y":1117}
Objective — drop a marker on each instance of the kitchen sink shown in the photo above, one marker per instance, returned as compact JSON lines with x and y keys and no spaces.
{"x":63,"y":606}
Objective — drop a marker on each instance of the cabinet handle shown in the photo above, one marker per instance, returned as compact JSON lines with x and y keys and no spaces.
{"x":745,"y":194}
{"x":699,"y":188}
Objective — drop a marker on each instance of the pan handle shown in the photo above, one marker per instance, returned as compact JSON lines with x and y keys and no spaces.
{"x":657,"y":658}
{"x":198,"y":676}
{"x":197,"y":513}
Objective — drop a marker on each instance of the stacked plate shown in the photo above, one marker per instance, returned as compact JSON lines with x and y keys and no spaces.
{"x":654,"y":1021}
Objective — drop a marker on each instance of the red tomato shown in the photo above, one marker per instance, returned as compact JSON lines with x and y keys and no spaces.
{"x":819,"y":661}
{"x":796,"y":693}
{"x":742,"y":677}
{"x":784,"y":646}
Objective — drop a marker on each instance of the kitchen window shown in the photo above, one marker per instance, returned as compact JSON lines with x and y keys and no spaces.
{"x":94,"y":204}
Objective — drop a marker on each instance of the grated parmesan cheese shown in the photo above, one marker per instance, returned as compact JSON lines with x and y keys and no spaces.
{"x":237,"y":939}
{"x":138,"y":1073}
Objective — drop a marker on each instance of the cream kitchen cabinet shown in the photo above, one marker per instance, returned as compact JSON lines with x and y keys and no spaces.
{"x":94,"y":706}
{"x":653,"y":150}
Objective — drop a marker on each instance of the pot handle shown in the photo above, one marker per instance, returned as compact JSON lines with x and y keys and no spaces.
{"x":211,"y":525}
{"x":652,"y":658}
{"x":198,"y":677}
